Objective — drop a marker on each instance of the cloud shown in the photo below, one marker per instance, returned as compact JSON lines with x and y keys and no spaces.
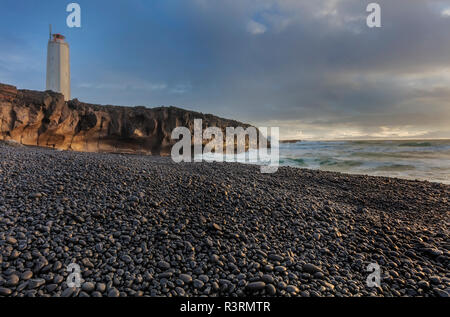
{"x":313,"y":68}
{"x":256,"y":28}
{"x":124,"y":86}
{"x":181,"y":88}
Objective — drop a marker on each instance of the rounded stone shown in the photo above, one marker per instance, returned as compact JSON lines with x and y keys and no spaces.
{"x":267,"y":278}
{"x":198,"y":284}
{"x":186,"y":278}
{"x":255,"y":286}
{"x":271,"y":290}
{"x":113,"y":292}
{"x":163,"y":265}
{"x":36,"y":283}
{"x":280,"y":269}
{"x":26,"y":275}
{"x":88,"y":287}
{"x":11,"y":240}
{"x":292,"y":289}
{"x":5,"y":291}
{"x":101,"y":287}
{"x":13,"y":280}
{"x":276,"y":257}
{"x":311,"y":268}
{"x":68,"y":292}
{"x":423,"y":284}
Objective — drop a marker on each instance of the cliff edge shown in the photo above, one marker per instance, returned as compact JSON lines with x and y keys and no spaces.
{"x":45,"y":119}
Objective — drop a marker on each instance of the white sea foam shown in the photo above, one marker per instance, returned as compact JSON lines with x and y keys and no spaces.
{"x":416,"y":159}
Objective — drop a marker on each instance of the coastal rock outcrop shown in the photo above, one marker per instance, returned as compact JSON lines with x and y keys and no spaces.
{"x":45,"y":119}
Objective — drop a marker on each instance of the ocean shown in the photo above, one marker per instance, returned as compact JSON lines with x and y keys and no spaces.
{"x":409,"y":159}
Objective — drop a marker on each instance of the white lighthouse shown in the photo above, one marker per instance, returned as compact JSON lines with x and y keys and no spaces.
{"x":58,"y":65}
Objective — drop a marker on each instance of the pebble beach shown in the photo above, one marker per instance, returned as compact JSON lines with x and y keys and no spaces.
{"x":144,"y":226}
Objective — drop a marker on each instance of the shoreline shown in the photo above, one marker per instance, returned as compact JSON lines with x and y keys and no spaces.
{"x":145,"y":226}
{"x":15,"y":144}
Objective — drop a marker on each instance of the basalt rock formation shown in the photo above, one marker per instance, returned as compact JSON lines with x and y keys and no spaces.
{"x":45,"y":119}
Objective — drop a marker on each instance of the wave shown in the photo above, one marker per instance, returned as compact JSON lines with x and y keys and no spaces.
{"x":410,"y":159}
{"x":380,"y":155}
{"x":417,"y":144}
{"x":338,"y":163}
{"x":395,"y":167}
{"x":296,"y":161}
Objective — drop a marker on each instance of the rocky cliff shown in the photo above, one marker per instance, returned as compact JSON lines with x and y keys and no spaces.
{"x":45,"y":119}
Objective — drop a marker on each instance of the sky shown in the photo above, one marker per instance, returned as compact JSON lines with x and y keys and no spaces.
{"x":312,"y":68}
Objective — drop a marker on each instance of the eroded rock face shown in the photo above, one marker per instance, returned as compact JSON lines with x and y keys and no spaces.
{"x":45,"y":119}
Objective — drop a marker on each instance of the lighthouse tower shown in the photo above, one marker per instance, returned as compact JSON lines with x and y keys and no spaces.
{"x":58,"y":65}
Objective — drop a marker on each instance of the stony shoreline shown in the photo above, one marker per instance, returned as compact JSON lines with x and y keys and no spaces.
{"x":144,"y":226}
